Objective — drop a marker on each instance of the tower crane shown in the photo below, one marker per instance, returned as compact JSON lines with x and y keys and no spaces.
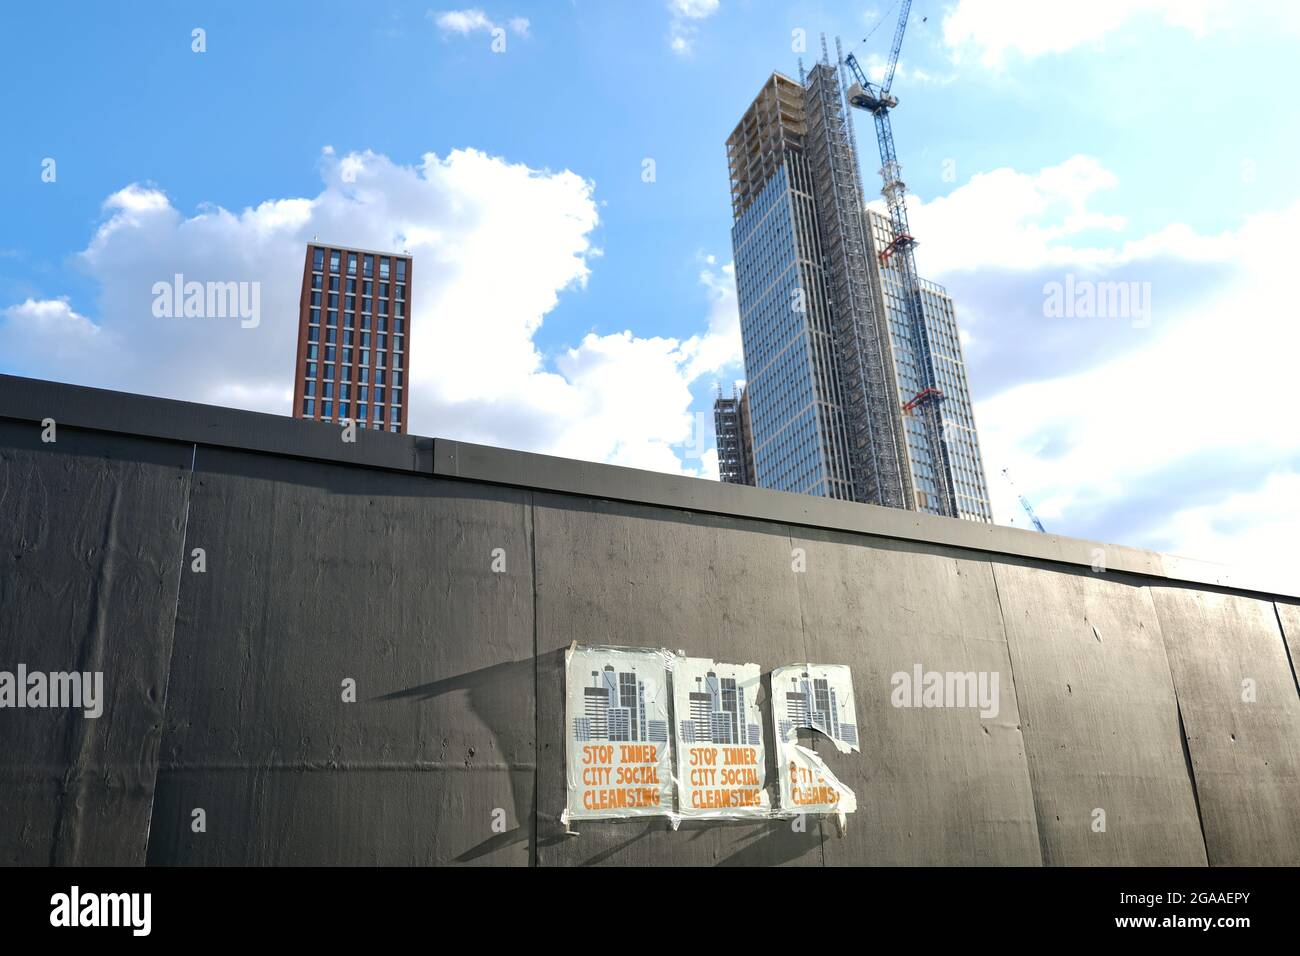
{"x":1024,"y":502}
{"x":879,"y":101}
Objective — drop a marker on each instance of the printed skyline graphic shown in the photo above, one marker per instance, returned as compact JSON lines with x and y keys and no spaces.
{"x":813,"y":702}
{"x":718,"y":714}
{"x":614,"y":709}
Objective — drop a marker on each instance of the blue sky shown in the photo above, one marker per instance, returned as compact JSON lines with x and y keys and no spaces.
{"x":573,"y":307}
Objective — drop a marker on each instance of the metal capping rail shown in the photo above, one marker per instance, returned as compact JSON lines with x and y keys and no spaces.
{"x":34,"y":400}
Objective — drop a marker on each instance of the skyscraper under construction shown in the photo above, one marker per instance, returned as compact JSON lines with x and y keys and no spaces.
{"x":835,"y":390}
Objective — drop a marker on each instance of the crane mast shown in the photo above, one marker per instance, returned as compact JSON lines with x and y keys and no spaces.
{"x":878,"y":101}
{"x":1024,"y":502}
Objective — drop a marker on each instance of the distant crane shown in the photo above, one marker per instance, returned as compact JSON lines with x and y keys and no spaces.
{"x":878,"y":101}
{"x":1024,"y":502}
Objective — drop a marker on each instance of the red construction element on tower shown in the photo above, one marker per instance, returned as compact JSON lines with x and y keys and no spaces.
{"x":923,"y":396}
{"x":895,"y":244}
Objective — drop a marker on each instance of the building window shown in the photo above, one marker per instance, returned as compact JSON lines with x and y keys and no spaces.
{"x":383,"y":268}
{"x":313,"y":333}
{"x":318,"y":259}
{"x":309,"y":388}
{"x":352,"y":263}
{"x":311,"y":369}
{"x":368,"y":266}
{"x":327,"y":409}
{"x":401,"y":271}
{"x":361,"y":411}
{"x":334,"y":262}
{"x":313,"y":352}
{"x":309,"y":407}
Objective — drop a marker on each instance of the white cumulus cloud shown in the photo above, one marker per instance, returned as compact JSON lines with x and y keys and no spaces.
{"x":989,"y":30}
{"x":465,"y":22}
{"x":684,"y":20}
{"x":495,"y":246}
{"x":1175,"y":432}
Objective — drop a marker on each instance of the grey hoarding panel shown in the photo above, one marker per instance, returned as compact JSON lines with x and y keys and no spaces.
{"x":1288,"y":615}
{"x":1242,"y":720}
{"x":634,"y":575}
{"x":90,"y":548}
{"x":1100,"y":720}
{"x":338,"y":816}
{"x":934,"y":785}
{"x":320,"y":573}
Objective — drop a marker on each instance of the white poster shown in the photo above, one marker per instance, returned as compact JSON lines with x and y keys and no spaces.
{"x":720,"y":769}
{"x":618,"y":761}
{"x":815,"y":697}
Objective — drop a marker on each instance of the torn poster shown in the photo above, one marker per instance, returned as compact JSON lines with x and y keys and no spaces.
{"x":618,"y":761}
{"x":720,"y":759}
{"x":815,"y":697}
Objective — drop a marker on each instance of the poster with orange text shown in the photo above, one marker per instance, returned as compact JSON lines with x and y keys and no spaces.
{"x":618,"y":760}
{"x":816,"y":697}
{"x":720,"y":759}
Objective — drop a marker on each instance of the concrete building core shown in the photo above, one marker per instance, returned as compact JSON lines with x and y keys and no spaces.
{"x":735,"y":443}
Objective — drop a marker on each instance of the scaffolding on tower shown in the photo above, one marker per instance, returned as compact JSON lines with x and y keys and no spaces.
{"x":872,"y":417}
{"x":898,"y":254}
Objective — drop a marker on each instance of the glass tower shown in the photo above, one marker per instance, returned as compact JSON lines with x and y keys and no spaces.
{"x":829,"y":365}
